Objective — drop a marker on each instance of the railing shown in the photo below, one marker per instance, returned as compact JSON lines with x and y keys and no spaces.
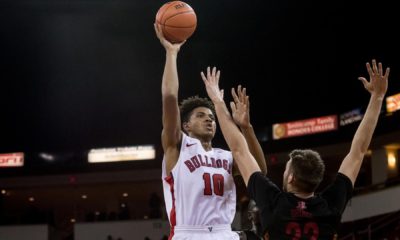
{"x":350,"y":236}
{"x":374,"y":227}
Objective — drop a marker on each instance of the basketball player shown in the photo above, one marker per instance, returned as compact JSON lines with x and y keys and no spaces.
{"x":199,"y":188}
{"x":298,"y":212}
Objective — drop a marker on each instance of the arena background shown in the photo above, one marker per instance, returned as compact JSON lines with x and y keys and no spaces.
{"x":83,"y":74}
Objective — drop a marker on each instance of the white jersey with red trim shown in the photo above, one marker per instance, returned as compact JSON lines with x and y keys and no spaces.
{"x":200,"y":191}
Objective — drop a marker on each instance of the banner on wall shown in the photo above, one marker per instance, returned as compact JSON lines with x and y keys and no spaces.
{"x":393,"y":103}
{"x":355,"y":115}
{"x":304,"y":127}
{"x":11,"y":159}
{"x":119,"y":154}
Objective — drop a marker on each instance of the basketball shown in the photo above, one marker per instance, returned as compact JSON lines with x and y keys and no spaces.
{"x":178,"y":21}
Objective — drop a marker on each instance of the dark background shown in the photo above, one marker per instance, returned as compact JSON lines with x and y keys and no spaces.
{"x":80,"y":74}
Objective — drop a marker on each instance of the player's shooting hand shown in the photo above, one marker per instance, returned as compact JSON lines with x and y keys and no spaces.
{"x":169,"y":47}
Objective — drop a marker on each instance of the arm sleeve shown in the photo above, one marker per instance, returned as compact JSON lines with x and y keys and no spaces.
{"x":338,"y":193}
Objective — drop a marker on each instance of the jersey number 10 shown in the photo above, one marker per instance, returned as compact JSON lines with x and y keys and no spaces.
{"x":217,"y":182}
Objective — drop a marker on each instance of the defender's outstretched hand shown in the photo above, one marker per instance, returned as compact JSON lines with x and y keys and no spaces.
{"x":378,"y":80}
{"x":377,"y":87}
{"x":211,"y":81}
{"x":240,"y":107}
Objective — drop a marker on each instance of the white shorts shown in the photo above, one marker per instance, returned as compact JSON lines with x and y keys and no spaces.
{"x":214,"y":232}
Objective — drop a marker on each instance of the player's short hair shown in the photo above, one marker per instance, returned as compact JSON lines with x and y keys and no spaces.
{"x":307,"y":168}
{"x":187,"y":105}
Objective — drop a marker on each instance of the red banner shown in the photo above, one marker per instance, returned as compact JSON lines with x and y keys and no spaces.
{"x":305,"y":127}
{"x":12,"y":159}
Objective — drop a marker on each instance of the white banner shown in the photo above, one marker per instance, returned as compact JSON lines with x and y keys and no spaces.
{"x":122,"y":154}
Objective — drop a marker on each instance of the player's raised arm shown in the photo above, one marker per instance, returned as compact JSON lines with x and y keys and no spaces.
{"x":171,"y":133}
{"x":377,"y":87}
{"x":240,"y":107}
{"x":234,"y":138}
